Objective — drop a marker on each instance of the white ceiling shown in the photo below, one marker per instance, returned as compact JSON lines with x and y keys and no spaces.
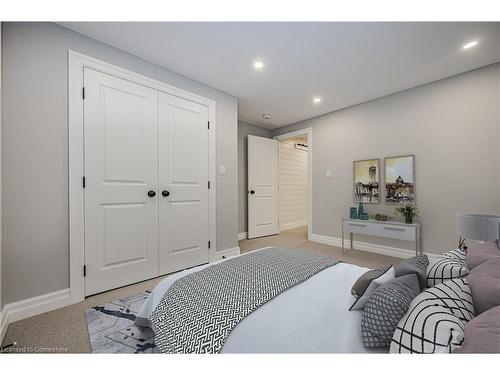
{"x":344,"y":63}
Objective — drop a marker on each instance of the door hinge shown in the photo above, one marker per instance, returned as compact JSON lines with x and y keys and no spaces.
{"x":83,"y":93}
{"x":83,"y":182}
{"x":84,"y":271}
{"x":208,"y":125}
{"x":208,"y":184}
{"x":209,"y":244}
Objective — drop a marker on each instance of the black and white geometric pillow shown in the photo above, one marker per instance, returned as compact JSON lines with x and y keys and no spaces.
{"x":457,"y":254}
{"x":435,"y":320}
{"x":445,"y":268}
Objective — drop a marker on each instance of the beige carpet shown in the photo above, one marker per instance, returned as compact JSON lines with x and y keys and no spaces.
{"x":297,"y":239}
{"x":65,"y":330}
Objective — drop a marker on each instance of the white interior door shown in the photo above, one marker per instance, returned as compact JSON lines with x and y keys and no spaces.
{"x":183,"y":158}
{"x":121,"y":167}
{"x":262,"y":186}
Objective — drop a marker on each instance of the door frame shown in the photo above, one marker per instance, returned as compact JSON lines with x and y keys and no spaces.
{"x":76,"y":64}
{"x":308,"y":132}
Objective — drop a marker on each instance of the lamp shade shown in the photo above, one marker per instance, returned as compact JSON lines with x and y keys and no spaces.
{"x":478,"y":227}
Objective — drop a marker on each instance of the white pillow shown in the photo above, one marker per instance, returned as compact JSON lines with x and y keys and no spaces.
{"x":457,"y":254}
{"x":435,"y":320}
{"x":360,"y":302}
{"x":445,"y":268}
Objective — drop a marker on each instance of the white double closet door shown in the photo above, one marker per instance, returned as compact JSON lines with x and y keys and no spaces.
{"x":146,"y":175}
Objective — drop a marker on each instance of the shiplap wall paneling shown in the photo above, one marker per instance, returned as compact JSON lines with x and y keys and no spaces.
{"x":292,"y":185}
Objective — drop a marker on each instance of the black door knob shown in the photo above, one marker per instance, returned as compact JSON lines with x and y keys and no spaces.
{"x":252,"y":192}
{"x":151,"y":193}
{"x":165,"y":193}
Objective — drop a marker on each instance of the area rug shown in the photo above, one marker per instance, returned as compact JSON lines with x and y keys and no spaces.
{"x":112,"y":330}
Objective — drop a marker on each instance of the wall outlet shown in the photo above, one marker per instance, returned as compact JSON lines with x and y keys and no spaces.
{"x":222,"y":169}
{"x":328,"y":173}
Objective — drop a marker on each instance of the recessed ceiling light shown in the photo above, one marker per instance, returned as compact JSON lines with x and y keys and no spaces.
{"x":258,"y":64}
{"x":470,"y":44}
{"x":317,"y":100}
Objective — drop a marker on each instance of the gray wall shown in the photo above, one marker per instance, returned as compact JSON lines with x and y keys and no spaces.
{"x":452,"y":127}
{"x":35,"y":150}
{"x":244,"y":130}
{"x":2,"y":271}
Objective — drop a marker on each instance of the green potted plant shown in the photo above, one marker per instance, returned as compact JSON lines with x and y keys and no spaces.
{"x":408,"y":211}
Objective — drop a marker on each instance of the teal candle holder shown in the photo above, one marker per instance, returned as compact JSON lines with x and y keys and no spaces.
{"x":361,"y":210}
{"x":353,"y":213}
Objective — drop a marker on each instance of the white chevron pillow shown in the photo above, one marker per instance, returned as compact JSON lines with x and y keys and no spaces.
{"x":435,"y":320}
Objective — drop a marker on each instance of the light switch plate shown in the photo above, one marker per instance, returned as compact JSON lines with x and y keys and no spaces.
{"x":328,"y":173}
{"x":222,"y":169}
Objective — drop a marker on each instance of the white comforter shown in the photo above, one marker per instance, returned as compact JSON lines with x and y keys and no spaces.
{"x":312,"y":317}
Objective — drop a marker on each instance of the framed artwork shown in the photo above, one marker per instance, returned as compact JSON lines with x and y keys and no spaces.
{"x":399,"y":174}
{"x":367,"y":181}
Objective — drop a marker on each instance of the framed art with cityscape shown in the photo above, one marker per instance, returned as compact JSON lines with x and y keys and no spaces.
{"x":367,"y":181}
{"x":399,"y":175}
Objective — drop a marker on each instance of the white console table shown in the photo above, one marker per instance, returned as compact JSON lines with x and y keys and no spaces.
{"x":389,"y":229}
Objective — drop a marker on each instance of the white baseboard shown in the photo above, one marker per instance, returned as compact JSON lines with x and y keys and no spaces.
{"x":282,"y":227}
{"x":37,"y":305}
{"x":226,"y":253}
{"x":289,"y":226}
{"x":327,"y":240}
{"x":4,"y":324}
{"x":12,"y":312}
{"x":365,"y":246}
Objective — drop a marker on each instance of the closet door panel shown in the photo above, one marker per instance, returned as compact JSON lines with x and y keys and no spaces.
{"x":121,"y":166}
{"x":183,"y":173}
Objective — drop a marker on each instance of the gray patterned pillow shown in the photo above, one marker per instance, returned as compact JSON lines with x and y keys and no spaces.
{"x":385,"y":308}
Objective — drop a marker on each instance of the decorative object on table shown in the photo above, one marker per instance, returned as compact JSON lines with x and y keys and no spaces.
{"x":408,"y":211}
{"x":367,"y":181}
{"x":353,"y":213}
{"x":399,"y":179}
{"x":363,"y":216}
{"x":382,"y":217}
{"x":361,"y":210}
{"x":478,"y":227}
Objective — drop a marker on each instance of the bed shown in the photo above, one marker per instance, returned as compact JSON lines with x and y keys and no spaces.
{"x":310,"y":317}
